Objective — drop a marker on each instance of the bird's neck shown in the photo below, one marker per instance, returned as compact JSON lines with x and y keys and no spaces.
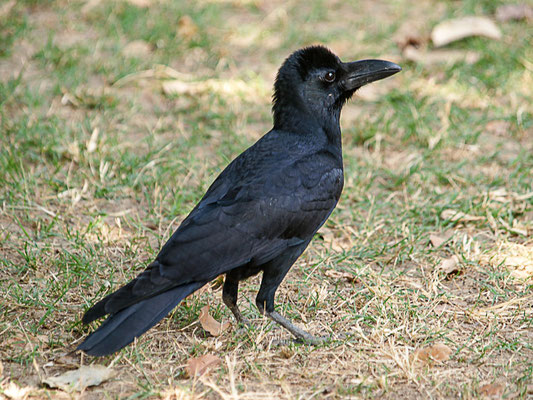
{"x":295,"y":120}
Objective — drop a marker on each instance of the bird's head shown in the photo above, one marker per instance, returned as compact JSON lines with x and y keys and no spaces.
{"x":314,"y":84}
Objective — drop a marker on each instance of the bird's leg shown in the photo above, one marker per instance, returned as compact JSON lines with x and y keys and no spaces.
{"x":229,"y":296}
{"x":265,"y":304}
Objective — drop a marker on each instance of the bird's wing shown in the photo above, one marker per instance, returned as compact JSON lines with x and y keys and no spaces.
{"x":251,"y":220}
{"x":254,"y":219}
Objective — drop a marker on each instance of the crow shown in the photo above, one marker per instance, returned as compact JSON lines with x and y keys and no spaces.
{"x":261,"y":212}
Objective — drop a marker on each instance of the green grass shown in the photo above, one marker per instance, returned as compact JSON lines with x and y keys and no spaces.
{"x":78,"y":220}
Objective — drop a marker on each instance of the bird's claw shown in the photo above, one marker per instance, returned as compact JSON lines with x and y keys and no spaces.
{"x":313,"y":340}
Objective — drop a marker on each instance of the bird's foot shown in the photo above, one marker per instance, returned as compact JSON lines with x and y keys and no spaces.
{"x":300,"y":335}
{"x":312,"y":340}
{"x":244,"y":322}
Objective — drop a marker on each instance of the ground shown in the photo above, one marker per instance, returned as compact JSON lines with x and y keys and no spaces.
{"x":115,"y":116}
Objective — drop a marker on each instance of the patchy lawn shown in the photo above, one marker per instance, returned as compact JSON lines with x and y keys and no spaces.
{"x":116,"y":115}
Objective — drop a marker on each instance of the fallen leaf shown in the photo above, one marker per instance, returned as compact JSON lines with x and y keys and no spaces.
{"x":15,"y":392}
{"x":77,"y":380}
{"x":459,"y":216}
{"x":450,"y":57}
{"x":494,"y":390}
{"x":137,"y":48}
{"x":456,"y":29}
{"x":438,"y":352}
{"x":199,"y":365}
{"x":340,"y":275}
{"x":210,"y":324}
{"x":514,"y":12}
{"x":450,"y":265}
{"x":437,"y":240}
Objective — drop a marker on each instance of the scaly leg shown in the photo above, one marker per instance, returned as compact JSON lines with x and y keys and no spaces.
{"x":272,"y":276}
{"x":229,"y":296}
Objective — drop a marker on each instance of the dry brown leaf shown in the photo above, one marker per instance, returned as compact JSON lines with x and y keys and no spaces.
{"x":514,"y":12}
{"x":451,"y":57}
{"x":210,"y":324}
{"x":187,"y":28}
{"x":438,"y":352}
{"x":458,"y":216}
{"x":14,"y":392}
{"x":77,"y":380}
{"x":137,"y":48}
{"x":199,"y":365}
{"x":450,"y":265}
{"x":340,"y":275}
{"x":437,"y":240}
{"x":456,"y":29}
{"x":494,"y":390}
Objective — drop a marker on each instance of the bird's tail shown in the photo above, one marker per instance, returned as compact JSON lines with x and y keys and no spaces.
{"x":121,"y":328}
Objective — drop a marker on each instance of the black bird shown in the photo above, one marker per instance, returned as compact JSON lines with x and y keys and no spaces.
{"x":261,"y":212}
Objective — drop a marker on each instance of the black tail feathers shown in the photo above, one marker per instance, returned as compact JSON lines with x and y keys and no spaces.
{"x":121,"y":328}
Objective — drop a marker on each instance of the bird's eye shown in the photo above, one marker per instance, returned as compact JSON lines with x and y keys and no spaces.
{"x":329,"y":77}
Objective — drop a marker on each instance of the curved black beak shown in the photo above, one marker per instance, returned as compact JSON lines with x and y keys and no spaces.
{"x":359,"y":73}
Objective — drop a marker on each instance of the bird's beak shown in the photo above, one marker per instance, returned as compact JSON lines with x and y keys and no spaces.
{"x":359,"y":73}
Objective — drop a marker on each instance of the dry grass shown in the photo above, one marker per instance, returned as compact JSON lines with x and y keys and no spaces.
{"x":101,"y":160}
